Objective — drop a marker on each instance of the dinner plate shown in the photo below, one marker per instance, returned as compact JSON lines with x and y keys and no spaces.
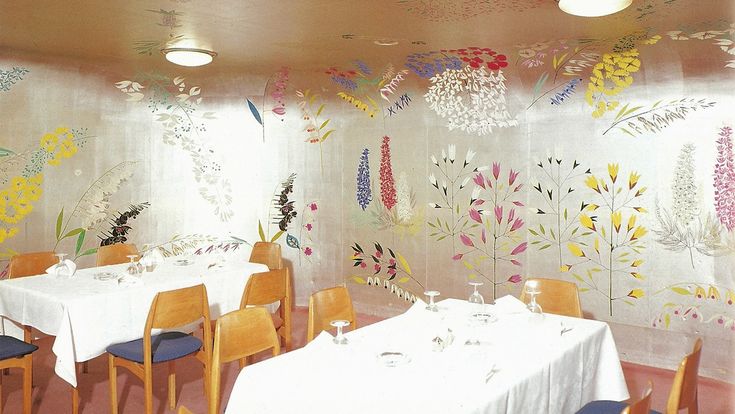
{"x":183,"y":262}
{"x":484,"y":317}
{"x":103,"y":276}
{"x":393,"y":359}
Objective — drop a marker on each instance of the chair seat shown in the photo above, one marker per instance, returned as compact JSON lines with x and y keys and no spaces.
{"x":605,"y":407}
{"x":12,"y":348}
{"x":165,"y":347}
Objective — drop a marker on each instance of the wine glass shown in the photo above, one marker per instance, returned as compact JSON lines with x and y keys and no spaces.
{"x":476,"y":298}
{"x":340,"y":339}
{"x":151,"y":259}
{"x":476,"y":304}
{"x":432,"y":306}
{"x":537,"y":314}
{"x":134,"y":269}
{"x":62,"y":269}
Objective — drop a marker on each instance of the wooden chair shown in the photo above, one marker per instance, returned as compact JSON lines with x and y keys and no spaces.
{"x":557,"y":296}
{"x":15,"y":353}
{"x":115,"y":254}
{"x":639,"y":406}
{"x":326,"y":306}
{"x":169,"y":310}
{"x":184,"y":410}
{"x":31,"y":264}
{"x":237,"y":335}
{"x":268,"y":287}
{"x":267,"y":253}
{"x":683,"y":392}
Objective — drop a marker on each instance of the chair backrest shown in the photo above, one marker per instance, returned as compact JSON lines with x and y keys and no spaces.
{"x":326,"y":306}
{"x":184,"y":410}
{"x":115,"y":253}
{"x":31,"y":264}
{"x":267,"y":253}
{"x":643,"y":404}
{"x":237,"y":335}
{"x":267,"y":287}
{"x":557,"y":296}
{"x":684,"y":390}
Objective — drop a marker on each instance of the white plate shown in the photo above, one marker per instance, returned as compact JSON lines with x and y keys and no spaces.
{"x":183,"y":262}
{"x":393,"y":359}
{"x":484,"y":317}
{"x":103,"y":276}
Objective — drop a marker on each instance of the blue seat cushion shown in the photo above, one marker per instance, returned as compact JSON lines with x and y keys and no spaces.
{"x":165,"y":347}
{"x":12,"y":348}
{"x":605,"y":407}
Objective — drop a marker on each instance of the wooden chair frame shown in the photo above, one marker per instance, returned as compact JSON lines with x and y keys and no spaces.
{"x":267,"y":253}
{"x":31,"y":264}
{"x":26,"y":363}
{"x":269,"y":287}
{"x":684,"y":389}
{"x":115,"y":254}
{"x":641,"y":405}
{"x":238,"y":335}
{"x":557,"y":296}
{"x":327,"y":305}
{"x":169,"y":310}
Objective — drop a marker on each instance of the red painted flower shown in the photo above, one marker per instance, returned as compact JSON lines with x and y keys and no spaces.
{"x":308,"y":226}
{"x":308,"y":251}
{"x":313,"y":206}
{"x":514,"y":279}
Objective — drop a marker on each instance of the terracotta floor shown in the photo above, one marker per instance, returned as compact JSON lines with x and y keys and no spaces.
{"x":51,"y":394}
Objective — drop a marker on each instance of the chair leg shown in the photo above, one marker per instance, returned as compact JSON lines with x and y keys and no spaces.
{"x":75,"y":400}
{"x":148,"y":388}
{"x":27,"y":383}
{"x":113,"y":384}
{"x":172,"y":384}
{"x":1,"y":392}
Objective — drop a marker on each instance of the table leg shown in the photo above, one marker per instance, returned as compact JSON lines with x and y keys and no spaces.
{"x":74,"y":400}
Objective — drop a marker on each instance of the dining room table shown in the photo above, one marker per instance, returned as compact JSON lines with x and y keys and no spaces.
{"x":100,"y":306}
{"x":463,"y":358}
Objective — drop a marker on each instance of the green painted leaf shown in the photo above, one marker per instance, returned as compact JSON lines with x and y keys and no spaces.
{"x":80,"y":241}
{"x":323,"y":124}
{"x":626,"y":131}
{"x":359,"y":280}
{"x":91,"y":251}
{"x":59,"y":221}
{"x":540,"y":83}
{"x":681,"y":291}
{"x":326,"y":134}
{"x":541,"y":227}
{"x":254,"y":111}
{"x":621,"y":112}
{"x":72,"y":233}
{"x":546,"y":246}
{"x":261,"y":233}
{"x":277,"y":236}
{"x":4,"y":152}
{"x":532,"y":231}
{"x":319,"y":111}
{"x":403,"y":263}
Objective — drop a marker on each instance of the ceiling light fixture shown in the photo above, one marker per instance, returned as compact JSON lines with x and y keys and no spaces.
{"x":385,"y":42}
{"x":593,"y":8}
{"x":186,"y":56}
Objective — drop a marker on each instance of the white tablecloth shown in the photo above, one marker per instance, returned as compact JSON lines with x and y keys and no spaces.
{"x":87,"y":315}
{"x":537,"y":369}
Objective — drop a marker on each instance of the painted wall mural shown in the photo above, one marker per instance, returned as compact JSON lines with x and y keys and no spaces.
{"x":8,"y":78}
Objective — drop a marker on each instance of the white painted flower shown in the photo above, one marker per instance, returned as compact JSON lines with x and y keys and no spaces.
{"x":432,"y":179}
{"x":464,"y":182}
{"x":433,"y":160}
{"x":476,"y":193}
{"x":452,"y":153}
{"x":470,"y":155}
{"x":444,"y":155}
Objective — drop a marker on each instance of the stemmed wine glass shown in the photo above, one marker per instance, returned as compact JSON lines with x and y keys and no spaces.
{"x":62,"y":269}
{"x":476,"y":304}
{"x":537,"y":313}
{"x":340,"y":339}
{"x":134,"y":269}
{"x":432,"y":306}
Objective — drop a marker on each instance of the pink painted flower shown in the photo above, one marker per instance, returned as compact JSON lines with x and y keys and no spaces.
{"x":387,"y":182}
{"x":496,"y":170}
{"x":279,"y":110}
{"x":518,"y":203}
{"x":479,"y":179}
{"x":511,"y":214}
{"x":363,"y":265}
{"x":724,"y":181}
{"x":308,"y":251}
{"x":378,"y":254}
{"x":516,"y":262}
{"x":377,"y":267}
{"x":392,"y":262}
{"x":466,"y":240}
{"x":517,"y":224}
{"x":499,"y":213}
{"x":391,"y":272}
{"x":313,"y":206}
{"x":308,"y":226}
{"x":457,"y":256}
{"x":514,"y":279}
{"x":519,"y":249}
{"x":474,"y":215}
{"x":483,"y":236}
{"x":512,"y":176}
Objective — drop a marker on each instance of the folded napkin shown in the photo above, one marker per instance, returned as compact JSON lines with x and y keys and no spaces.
{"x":509,"y":304}
{"x":70,"y":264}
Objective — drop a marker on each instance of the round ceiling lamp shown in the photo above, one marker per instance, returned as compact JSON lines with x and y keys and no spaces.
{"x":185,"y":56}
{"x":593,"y":8}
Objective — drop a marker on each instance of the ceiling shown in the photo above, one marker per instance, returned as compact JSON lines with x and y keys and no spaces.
{"x":263,"y":35}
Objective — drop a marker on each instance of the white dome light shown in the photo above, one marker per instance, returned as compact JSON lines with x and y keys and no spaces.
{"x":188,"y":56}
{"x":593,"y":8}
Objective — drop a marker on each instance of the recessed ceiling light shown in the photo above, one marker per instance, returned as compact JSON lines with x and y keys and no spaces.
{"x":186,"y":56}
{"x":593,"y":8}
{"x":385,"y":42}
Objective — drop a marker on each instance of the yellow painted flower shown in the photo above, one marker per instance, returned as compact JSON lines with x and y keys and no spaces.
{"x":67,"y":148}
{"x":730,"y":295}
{"x":597,"y":245}
{"x":22,"y":207}
{"x":636,"y":293}
{"x":612,"y":170}
{"x":17,"y":184}
{"x":565,"y":268}
{"x":591,"y":182}
{"x":631,"y":222}
{"x":713,"y":293}
{"x":575,"y":249}
{"x":641,"y":191}
{"x":637,"y":275}
{"x":699,"y":292}
{"x":617,"y":218}
{"x":48,"y":142}
{"x":639,"y":232}
{"x":652,"y":40}
{"x":592,"y":207}
{"x":6,"y":233}
{"x":586,"y":221}
{"x":633,"y":180}
{"x":636,"y":263}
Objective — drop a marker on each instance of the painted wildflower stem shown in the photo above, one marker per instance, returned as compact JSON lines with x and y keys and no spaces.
{"x":454,"y":178}
{"x":394,"y":264}
{"x":662,"y":116}
{"x":724,"y":180}
{"x":614,"y":246}
{"x":555,"y":190}
{"x":499,"y":235}
{"x":364,"y":192}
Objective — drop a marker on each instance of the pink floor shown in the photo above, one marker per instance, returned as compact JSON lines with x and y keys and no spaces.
{"x":51,"y":394}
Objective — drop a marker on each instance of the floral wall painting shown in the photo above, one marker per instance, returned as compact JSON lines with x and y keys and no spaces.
{"x":92,"y":210}
{"x":494,"y":243}
{"x":175,"y":106}
{"x":399,"y":105}
{"x":22,"y":175}
{"x":723,"y":37}
{"x":610,"y":256}
{"x":696,"y":303}
{"x":724,"y":179}
{"x":638,"y":120}
{"x":364,"y":192}
{"x":471,"y":100}
{"x":8,"y":78}
{"x":385,"y":268}
{"x":558,"y":212}
{"x":304,"y":243}
{"x":169,"y":18}
{"x":282,"y":211}
{"x":450,"y":11}
{"x":315,"y":124}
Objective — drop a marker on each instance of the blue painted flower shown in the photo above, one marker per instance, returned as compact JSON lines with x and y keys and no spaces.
{"x":364,"y":194}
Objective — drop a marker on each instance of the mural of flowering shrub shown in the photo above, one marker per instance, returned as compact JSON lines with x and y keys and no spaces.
{"x":283,"y":211}
{"x":472,"y":100}
{"x":725,"y":179}
{"x":314,"y":126}
{"x":364,"y":193}
{"x":723,"y":36}
{"x":612,"y":249}
{"x":558,"y":216}
{"x":305,"y":241}
{"x":497,"y":238}
{"x":8,"y":78}
{"x":697,"y":303}
{"x":384,"y":267}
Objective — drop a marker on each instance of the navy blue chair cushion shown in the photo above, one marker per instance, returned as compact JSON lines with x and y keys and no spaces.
{"x":605,"y":407}
{"x":12,"y":348}
{"x":165,"y":347}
